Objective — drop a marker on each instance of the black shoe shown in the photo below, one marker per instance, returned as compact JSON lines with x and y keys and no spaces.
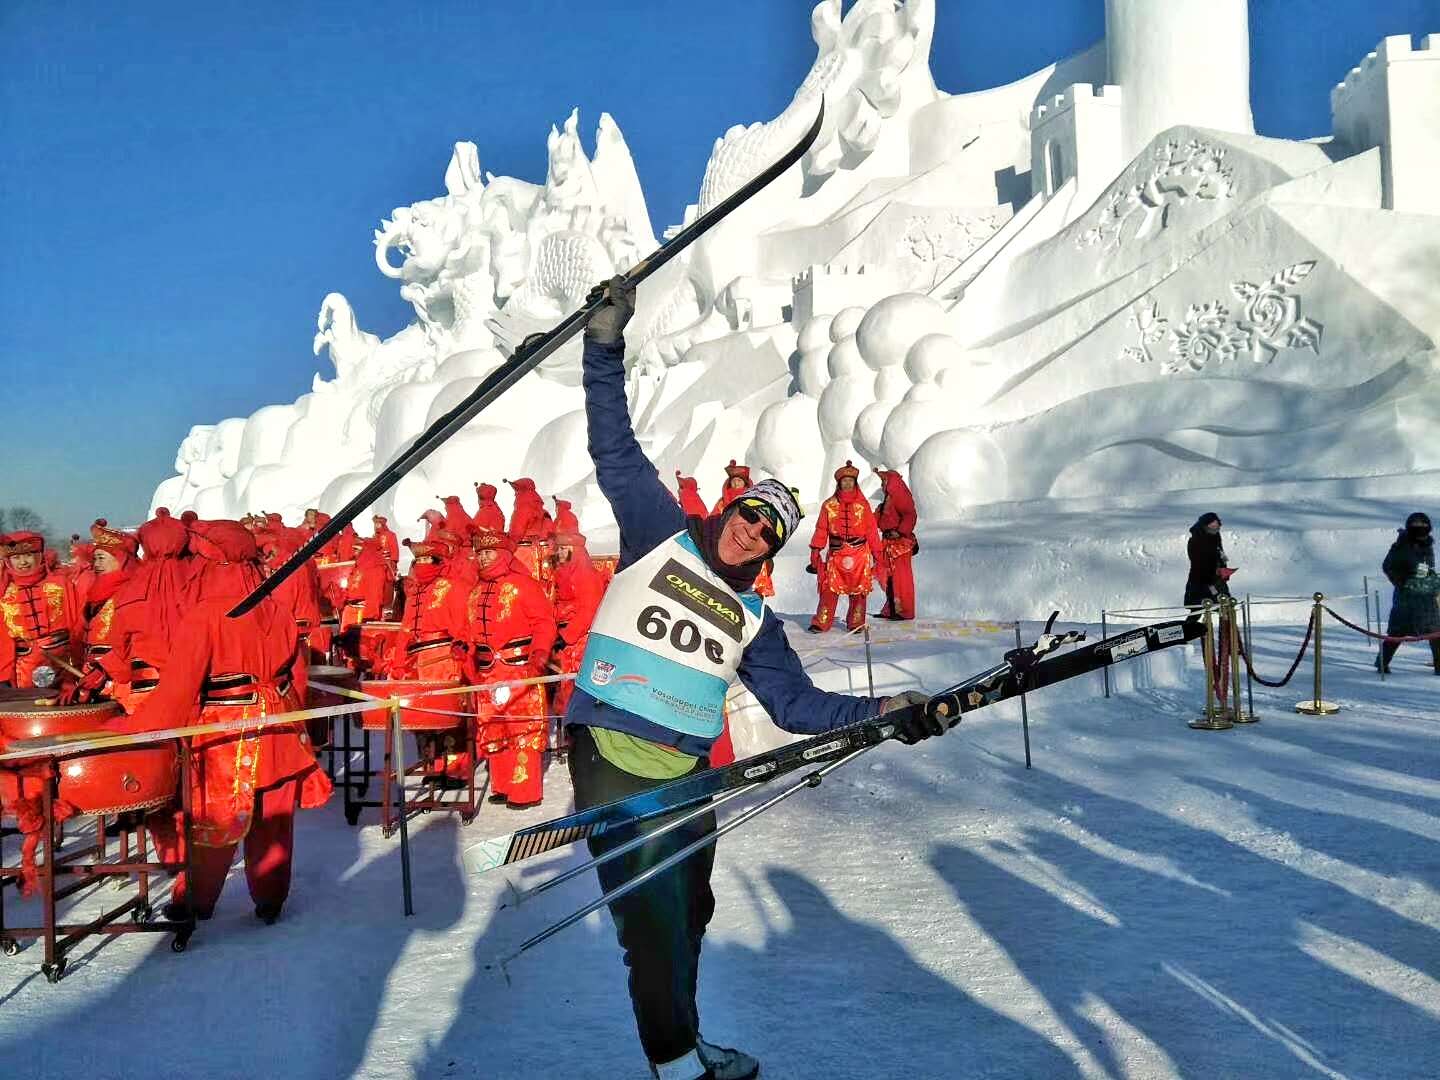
{"x":725,"y":1063}
{"x":267,"y":913}
{"x":498,"y":798}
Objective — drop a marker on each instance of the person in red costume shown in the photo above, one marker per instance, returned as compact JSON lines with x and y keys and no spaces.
{"x":79,"y":567}
{"x":896,"y":521}
{"x":435,"y":615}
{"x":148,"y":611}
{"x":532,"y":531}
{"x":40,"y":612}
{"x":372,"y":581}
{"x":114,"y":561}
{"x":488,"y":516}
{"x":245,"y":787}
{"x":510,"y":633}
{"x":845,"y":529}
{"x":688,"y":494}
{"x":434,"y":618}
{"x":579,"y":588}
{"x":737,"y":479}
{"x":299,"y":593}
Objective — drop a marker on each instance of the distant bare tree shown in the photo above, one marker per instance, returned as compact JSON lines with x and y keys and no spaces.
{"x":22,"y":518}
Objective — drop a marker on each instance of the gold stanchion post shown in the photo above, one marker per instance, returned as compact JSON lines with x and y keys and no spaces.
{"x":1238,"y":712}
{"x":1317,"y":705}
{"x":1214,"y":718}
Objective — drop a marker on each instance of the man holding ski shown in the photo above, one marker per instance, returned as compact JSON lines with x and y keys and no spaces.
{"x":679,"y":624}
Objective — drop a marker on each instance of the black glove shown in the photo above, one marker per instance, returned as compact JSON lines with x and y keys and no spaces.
{"x":607,"y":324}
{"x":907,"y":712}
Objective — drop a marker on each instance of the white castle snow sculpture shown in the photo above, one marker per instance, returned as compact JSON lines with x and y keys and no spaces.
{"x":1094,"y":279}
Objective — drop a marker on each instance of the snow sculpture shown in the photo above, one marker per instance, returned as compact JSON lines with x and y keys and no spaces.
{"x":1091,"y":280}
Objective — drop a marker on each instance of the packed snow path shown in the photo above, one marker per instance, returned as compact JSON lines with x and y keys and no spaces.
{"x":1148,"y":901}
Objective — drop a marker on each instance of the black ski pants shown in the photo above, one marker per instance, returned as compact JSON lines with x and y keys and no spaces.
{"x":660,"y":925}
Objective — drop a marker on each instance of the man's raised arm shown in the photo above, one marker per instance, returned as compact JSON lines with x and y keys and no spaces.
{"x":643,"y":507}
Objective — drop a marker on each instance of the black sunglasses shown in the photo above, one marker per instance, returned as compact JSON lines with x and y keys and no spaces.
{"x":752,"y":511}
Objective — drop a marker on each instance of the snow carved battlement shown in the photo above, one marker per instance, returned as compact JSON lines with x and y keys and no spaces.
{"x":1392,"y":101}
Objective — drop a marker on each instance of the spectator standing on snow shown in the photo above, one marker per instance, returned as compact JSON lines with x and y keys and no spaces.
{"x":1410,"y":566}
{"x":1209,"y":570}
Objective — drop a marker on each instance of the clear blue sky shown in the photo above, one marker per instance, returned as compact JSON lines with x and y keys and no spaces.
{"x":183,"y":182}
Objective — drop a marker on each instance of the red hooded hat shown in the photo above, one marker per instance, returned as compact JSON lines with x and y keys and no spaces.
{"x":565,"y":519}
{"x":163,"y":537}
{"x":457,"y":520}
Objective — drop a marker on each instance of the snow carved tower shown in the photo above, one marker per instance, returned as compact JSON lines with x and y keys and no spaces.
{"x":1179,"y":62}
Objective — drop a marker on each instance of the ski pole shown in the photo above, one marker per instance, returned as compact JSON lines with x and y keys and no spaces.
{"x":869,"y":670}
{"x":811,"y":780}
{"x":1024,"y":710}
{"x":630,"y":845}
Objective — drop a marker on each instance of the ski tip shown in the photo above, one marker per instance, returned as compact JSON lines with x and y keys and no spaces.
{"x":486,"y":855}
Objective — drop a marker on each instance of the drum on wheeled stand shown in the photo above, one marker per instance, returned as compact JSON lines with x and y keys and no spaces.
{"x":113,"y":789}
{"x":443,"y":725}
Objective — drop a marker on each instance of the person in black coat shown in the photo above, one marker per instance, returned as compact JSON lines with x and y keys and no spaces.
{"x":1209,"y":571}
{"x":1410,"y":566}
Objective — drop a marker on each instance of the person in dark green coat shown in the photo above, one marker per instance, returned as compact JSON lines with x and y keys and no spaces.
{"x":1410,"y":566}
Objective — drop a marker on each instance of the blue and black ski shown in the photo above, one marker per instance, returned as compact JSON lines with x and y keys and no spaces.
{"x":1023,"y":669}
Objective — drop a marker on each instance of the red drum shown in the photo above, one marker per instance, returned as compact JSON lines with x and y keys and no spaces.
{"x":426,"y":714}
{"x":99,"y":782}
{"x":320,"y":727}
{"x":378,"y":640}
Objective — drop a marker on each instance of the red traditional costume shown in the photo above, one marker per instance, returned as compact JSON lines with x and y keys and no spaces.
{"x":115,"y":563}
{"x":372,"y":582}
{"x":579,"y":588}
{"x":532,"y":531}
{"x":299,"y":593}
{"x":846,"y":530}
{"x":511,"y":631}
{"x":689,"y":496}
{"x":79,"y":569}
{"x":434,"y":619}
{"x":896,"y":521}
{"x":245,"y":787}
{"x":40,"y":611}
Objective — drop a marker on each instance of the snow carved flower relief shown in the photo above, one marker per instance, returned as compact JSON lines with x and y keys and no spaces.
{"x":1210,"y":334}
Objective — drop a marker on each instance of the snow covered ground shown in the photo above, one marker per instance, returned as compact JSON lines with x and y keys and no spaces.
{"x":1147,"y":901}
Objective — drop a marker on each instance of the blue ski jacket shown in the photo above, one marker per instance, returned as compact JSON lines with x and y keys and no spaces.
{"x":648,"y":515}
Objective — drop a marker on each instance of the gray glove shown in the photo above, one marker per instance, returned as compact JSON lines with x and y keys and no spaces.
{"x":607,"y":324}
{"x":906,"y":711}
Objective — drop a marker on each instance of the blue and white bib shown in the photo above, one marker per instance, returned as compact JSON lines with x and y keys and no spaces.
{"x":668,"y":639}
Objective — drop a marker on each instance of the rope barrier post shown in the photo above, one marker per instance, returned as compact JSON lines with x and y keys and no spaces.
{"x":1249,"y":674}
{"x":1104,"y":671}
{"x":1317,"y":705}
{"x":1024,"y":710}
{"x":397,"y":733}
{"x":1379,"y":645}
{"x":1214,"y":718}
{"x":1238,"y":714}
{"x":869,"y":669}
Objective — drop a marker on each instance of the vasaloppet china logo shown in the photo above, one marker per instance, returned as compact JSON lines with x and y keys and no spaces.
{"x":711,"y":603}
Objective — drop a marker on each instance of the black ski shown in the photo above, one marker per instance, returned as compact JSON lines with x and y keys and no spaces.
{"x":1023,"y":669}
{"x":527,"y":357}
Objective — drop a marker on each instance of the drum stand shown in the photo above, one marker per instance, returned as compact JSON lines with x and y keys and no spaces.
{"x":354,"y":784}
{"x":60,"y":938}
{"x":428,"y":795}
